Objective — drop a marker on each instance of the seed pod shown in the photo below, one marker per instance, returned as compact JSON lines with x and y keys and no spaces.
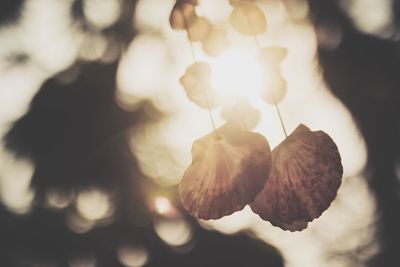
{"x":182,"y":16}
{"x":248,"y":19}
{"x":272,"y":55}
{"x":197,"y":84}
{"x":216,"y":42}
{"x":229,"y":167}
{"x":305,"y":177}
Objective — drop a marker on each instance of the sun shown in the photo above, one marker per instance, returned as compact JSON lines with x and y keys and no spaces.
{"x":237,"y":74}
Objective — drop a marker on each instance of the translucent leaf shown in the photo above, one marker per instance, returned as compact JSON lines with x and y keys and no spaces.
{"x":305,"y":177}
{"x":197,"y":84}
{"x":182,"y":15}
{"x":248,"y":19}
{"x":216,"y":42}
{"x":228,"y":169}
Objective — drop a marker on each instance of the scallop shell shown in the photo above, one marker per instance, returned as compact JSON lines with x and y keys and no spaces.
{"x":193,"y":2}
{"x":275,"y":86}
{"x":273,"y":54}
{"x":216,"y":42}
{"x":242,"y":114}
{"x":305,"y":177}
{"x":199,"y":29}
{"x":248,"y":19}
{"x":197,"y":84}
{"x":182,"y":15}
{"x":228,"y":169}
{"x":238,"y":2}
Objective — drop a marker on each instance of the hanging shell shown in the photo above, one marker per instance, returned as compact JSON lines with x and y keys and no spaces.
{"x":237,"y":2}
{"x":229,"y":167}
{"x":241,"y":114}
{"x":275,"y":87}
{"x":216,"y":42}
{"x":199,"y":29}
{"x":182,"y":15}
{"x":197,"y":84}
{"x":273,"y":55}
{"x":305,"y":177}
{"x":248,"y":19}
{"x":193,"y":2}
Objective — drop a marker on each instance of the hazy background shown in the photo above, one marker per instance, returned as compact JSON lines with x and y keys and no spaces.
{"x":97,"y":131}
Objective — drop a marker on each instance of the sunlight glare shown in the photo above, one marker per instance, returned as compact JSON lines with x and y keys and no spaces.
{"x":133,"y":256}
{"x":175,"y":232}
{"x":162,"y":205}
{"x":83,"y":261}
{"x":237,"y":74}
{"x":102,"y":14}
{"x":94,"y":204}
{"x":58,"y":199}
{"x":78,"y":224}
{"x":15,"y":179}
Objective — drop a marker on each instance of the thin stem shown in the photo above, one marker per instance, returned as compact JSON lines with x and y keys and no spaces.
{"x":191,"y":48}
{"x":257,"y":42}
{"x":259,"y":48}
{"x":195,"y":60}
{"x":281,"y":120}
{"x":211,"y":116}
{"x":188,"y":37}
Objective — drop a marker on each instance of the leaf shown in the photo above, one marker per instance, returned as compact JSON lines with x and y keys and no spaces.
{"x":228,"y":169}
{"x":248,"y":19}
{"x":305,"y":177}
{"x":197,"y":84}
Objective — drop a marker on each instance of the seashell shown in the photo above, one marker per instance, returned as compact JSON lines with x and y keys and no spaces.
{"x":305,"y":177}
{"x":193,"y":2}
{"x":229,"y":167}
{"x":197,"y":84}
{"x":242,"y":114}
{"x":182,"y":15}
{"x":248,"y":19}
{"x":216,"y":42}
{"x":199,"y":29}
{"x":272,"y":55}
{"x":237,"y":2}
{"x":275,"y":86}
